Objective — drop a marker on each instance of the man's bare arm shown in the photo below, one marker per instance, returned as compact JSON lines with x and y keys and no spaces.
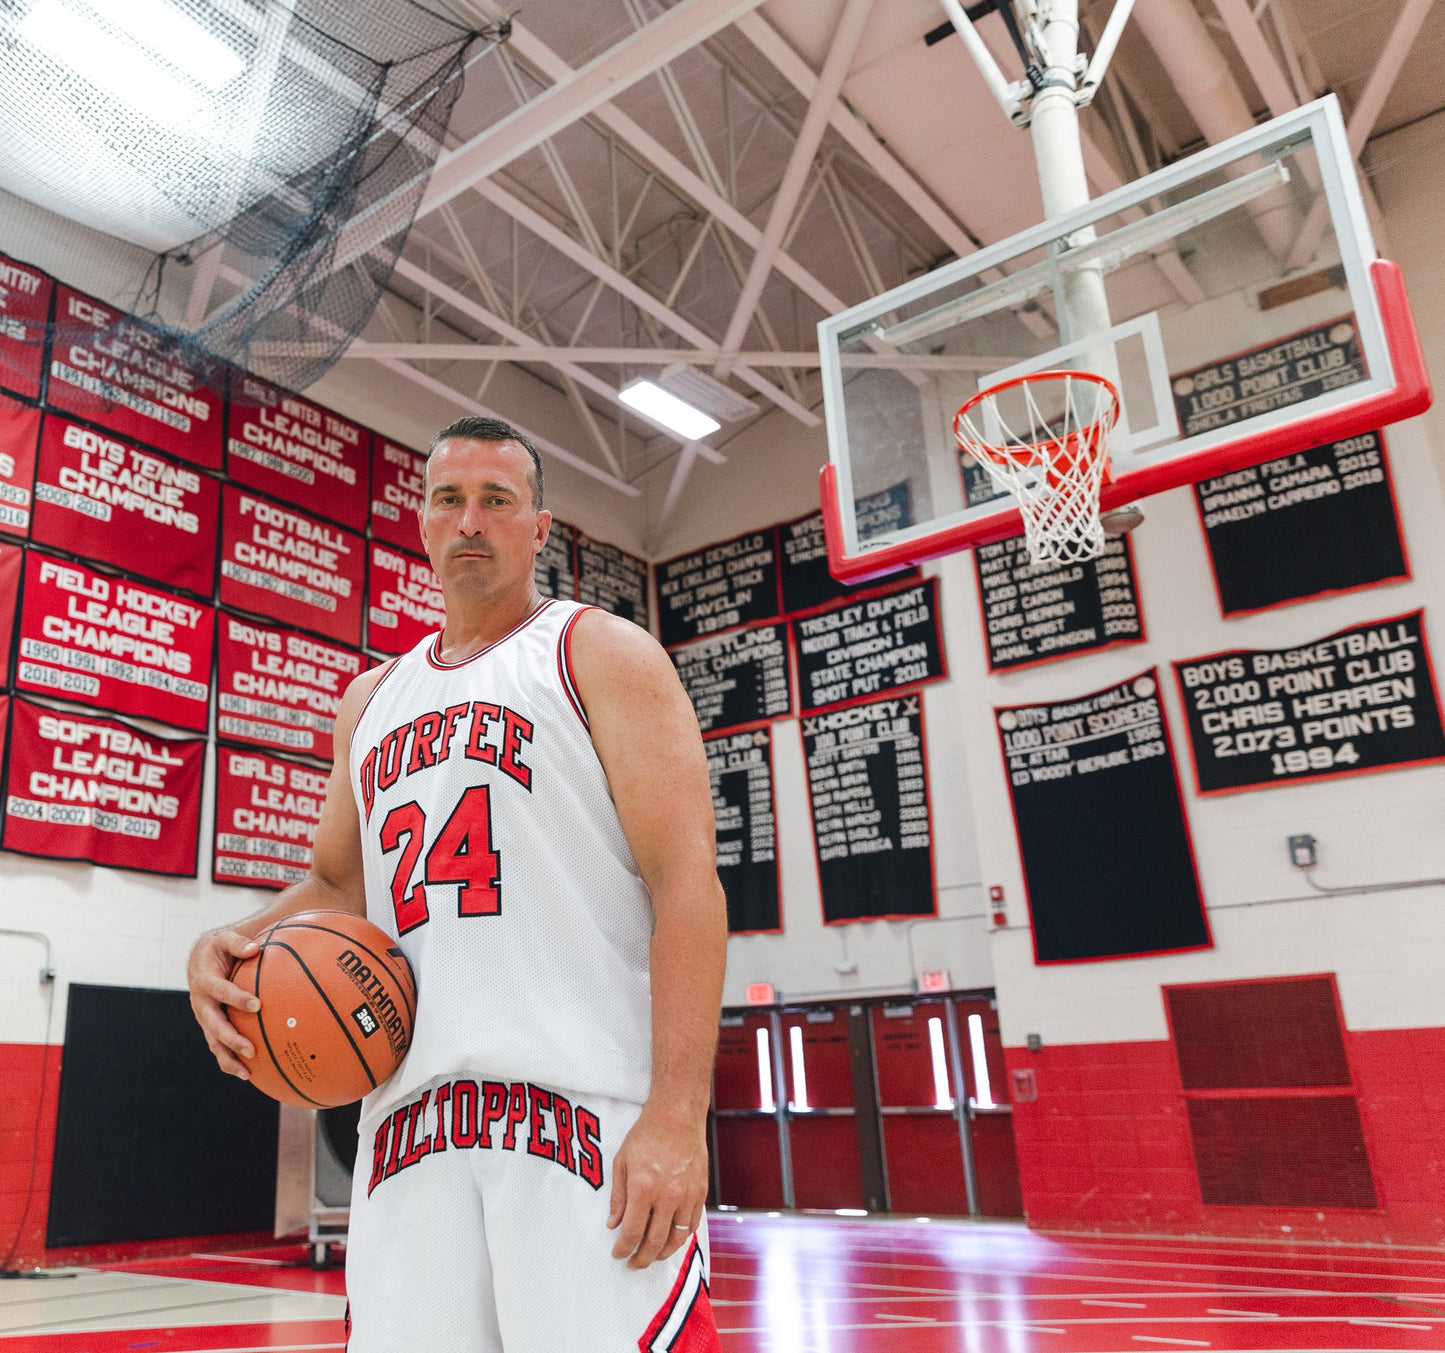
{"x":334,"y":883}
{"x":647,"y":739}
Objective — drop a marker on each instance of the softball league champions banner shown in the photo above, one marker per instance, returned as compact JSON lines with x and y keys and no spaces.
{"x":24,"y":309}
{"x":277,"y":688}
{"x":127,"y":377}
{"x":397,"y":476}
{"x":113,"y":644}
{"x":115,"y":503}
{"x":405,"y":601}
{"x":297,"y":451}
{"x":19,"y":433}
{"x":267,"y":809}
{"x":84,"y":788}
{"x":290,"y":567}
{"x":740,"y":767}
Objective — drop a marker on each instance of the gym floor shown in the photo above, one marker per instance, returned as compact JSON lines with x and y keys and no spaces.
{"x":824,"y":1285}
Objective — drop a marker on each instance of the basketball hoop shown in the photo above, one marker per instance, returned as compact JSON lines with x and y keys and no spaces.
{"x":1044,"y":440}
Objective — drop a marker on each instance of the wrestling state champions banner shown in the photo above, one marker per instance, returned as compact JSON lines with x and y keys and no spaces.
{"x":404,"y":600}
{"x":267,"y":809}
{"x":278,"y":688}
{"x":107,"y":500}
{"x":116,"y":370}
{"x":84,"y":788}
{"x":297,"y":451}
{"x":397,"y":475}
{"x":289,"y":567}
{"x":114,"y":644}
{"x":24,"y":308}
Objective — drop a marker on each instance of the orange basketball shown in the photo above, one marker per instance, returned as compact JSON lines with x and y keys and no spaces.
{"x":337,"y":1003}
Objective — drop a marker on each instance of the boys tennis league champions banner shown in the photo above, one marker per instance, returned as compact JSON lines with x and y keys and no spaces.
{"x":79,"y":787}
{"x":267,"y":809}
{"x":405,"y":602}
{"x":107,"y":366}
{"x":25,"y":294}
{"x":19,"y":432}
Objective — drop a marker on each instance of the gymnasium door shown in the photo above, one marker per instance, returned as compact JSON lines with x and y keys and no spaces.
{"x":747,"y":1134}
{"x":990,"y":1115}
{"x":822,"y":1110}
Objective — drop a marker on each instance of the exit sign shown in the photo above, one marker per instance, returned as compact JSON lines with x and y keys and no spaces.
{"x":936,"y":980}
{"x":761,"y":993}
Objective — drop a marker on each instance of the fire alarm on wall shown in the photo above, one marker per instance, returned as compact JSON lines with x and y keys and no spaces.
{"x":998,"y":913}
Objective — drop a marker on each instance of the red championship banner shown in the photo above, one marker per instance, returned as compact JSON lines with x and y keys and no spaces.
{"x":404,"y":600}
{"x":24,"y":308}
{"x":293,"y":449}
{"x":111,"y":368}
{"x":84,"y":788}
{"x":119,"y":645}
{"x":280,"y":563}
{"x":12,"y":557}
{"x":397,"y":475}
{"x":277,"y":688}
{"x":267,"y":809}
{"x":118,"y":504}
{"x":19,"y":433}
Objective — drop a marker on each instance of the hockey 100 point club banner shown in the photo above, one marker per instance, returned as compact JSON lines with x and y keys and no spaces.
{"x":297,"y":451}
{"x":267,"y":808}
{"x":740,"y":767}
{"x":277,"y":688}
{"x":115,"y":370}
{"x":612,"y":579}
{"x":79,"y":787}
{"x":404,"y":600}
{"x":114,"y":644}
{"x":25,"y":294}
{"x":803,"y":561}
{"x":741,"y":677}
{"x":1319,"y":521}
{"x":12,"y":561}
{"x":868,"y":791}
{"x":398,"y":475}
{"x":1361,"y":699}
{"x":290,"y":567}
{"x":119,"y":504}
{"x":869,"y":646}
{"x":556,"y":564}
{"x":1107,"y":860}
{"x":19,"y":436}
{"x":1037,"y":612}
{"x":726,"y":585}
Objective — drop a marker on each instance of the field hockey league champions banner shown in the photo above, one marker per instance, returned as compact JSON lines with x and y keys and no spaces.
{"x":267,"y":809}
{"x":25,"y":294}
{"x":404,"y":600}
{"x":113,"y":644}
{"x":297,"y":451}
{"x":116,"y":370}
{"x":79,"y":787}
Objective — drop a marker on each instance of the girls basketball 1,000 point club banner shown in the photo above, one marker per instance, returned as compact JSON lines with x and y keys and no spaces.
{"x":277,"y":688}
{"x":397,"y":476}
{"x":118,"y":504}
{"x":115,"y":370}
{"x":280,"y":563}
{"x":19,"y":434}
{"x":404,"y":600}
{"x":267,"y":809}
{"x":118,"y":645}
{"x":24,"y":308}
{"x":84,"y":788}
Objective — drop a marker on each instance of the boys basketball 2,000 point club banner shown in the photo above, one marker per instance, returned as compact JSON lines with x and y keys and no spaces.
{"x":117,"y":371}
{"x":404,"y":600}
{"x":19,"y":436}
{"x":267,"y":809}
{"x":280,"y":563}
{"x":24,"y":309}
{"x":737,"y":678}
{"x":740,"y":767}
{"x":397,"y":476}
{"x":85,"y":788}
{"x":122,"y":646}
{"x":115,"y":503}
{"x":277,"y":688}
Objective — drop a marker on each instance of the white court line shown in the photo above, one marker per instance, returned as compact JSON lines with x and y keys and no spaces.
{"x":1127,"y":1305}
{"x":1033,"y":1329}
{"x":1390,"y":1324}
{"x":1251,"y":1315}
{"x":239,"y":1259}
{"x":1160,"y":1339}
{"x":909,"y":1319}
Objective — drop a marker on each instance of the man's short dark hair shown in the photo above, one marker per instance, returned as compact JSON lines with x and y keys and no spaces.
{"x":474,"y":428}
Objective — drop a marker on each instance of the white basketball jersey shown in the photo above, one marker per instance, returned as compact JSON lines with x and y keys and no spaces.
{"x":493,"y":853}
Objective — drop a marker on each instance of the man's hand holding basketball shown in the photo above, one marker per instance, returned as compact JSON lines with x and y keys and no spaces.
{"x":208,"y":974}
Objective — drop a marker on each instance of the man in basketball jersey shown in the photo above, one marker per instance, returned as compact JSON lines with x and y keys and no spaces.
{"x":523,"y":802}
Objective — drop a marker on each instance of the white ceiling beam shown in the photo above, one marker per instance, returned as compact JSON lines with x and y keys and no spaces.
{"x":836,"y":66}
{"x":665,"y":39}
{"x":1263,"y":69}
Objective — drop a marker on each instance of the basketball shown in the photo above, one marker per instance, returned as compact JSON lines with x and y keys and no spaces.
{"x":337,"y":1004}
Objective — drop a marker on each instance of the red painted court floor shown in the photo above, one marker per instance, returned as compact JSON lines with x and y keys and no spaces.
{"x":817,"y":1284}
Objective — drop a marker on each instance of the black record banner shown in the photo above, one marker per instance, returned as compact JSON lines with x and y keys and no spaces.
{"x":740,"y":767}
{"x":1037,"y":612}
{"x":555,"y":566}
{"x":726,"y":585}
{"x":612,"y":579}
{"x":870,"y":646}
{"x":1108,"y":864}
{"x":803,"y":551}
{"x":738,"y":678}
{"x":868,"y":791}
{"x":1320,"y":521}
{"x":1359,"y":700}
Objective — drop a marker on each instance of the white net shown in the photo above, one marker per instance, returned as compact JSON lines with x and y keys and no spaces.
{"x":1042,"y":438}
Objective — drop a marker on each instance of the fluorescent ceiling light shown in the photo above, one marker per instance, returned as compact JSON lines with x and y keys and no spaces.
{"x":653,"y":402}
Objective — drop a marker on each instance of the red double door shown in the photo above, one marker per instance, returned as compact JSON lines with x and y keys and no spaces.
{"x":859,"y":1107}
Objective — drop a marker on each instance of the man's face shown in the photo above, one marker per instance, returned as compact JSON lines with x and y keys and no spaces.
{"x":477,"y":522}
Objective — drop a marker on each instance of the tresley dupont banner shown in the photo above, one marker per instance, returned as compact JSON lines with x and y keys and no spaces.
{"x":84,"y":788}
{"x":289,"y":567}
{"x":24,"y":308}
{"x":397,"y":476}
{"x":116,"y":370}
{"x":103,"y":498}
{"x":114,"y":644}
{"x":278,"y":688}
{"x":405,"y":601}
{"x":267,"y":809}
